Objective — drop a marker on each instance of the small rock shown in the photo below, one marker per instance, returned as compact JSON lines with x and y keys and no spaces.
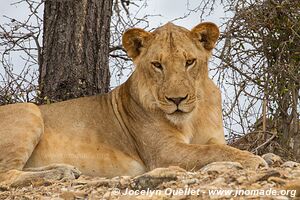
{"x":255,"y":186}
{"x":124,"y":181}
{"x":241,"y":179}
{"x":116,"y":179}
{"x":290,"y":164}
{"x":295,"y":173}
{"x":190,"y":181}
{"x":272,"y":159}
{"x":218,"y":181}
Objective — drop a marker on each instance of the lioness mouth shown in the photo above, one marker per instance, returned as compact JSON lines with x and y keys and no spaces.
{"x":178,"y":111}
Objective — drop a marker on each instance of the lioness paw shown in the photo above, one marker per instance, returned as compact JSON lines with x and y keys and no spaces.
{"x":66,"y":172}
{"x":57,"y":172}
{"x":251,"y":161}
{"x":41,"y":175}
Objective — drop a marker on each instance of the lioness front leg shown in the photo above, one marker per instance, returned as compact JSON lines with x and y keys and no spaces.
{"x":21,"y":129}
{"x":194,"y":156}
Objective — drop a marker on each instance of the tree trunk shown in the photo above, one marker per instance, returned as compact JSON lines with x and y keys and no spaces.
{"x":76,"y":45}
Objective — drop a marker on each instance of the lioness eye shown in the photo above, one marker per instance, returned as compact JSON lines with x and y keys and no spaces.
{"x":190,"y":62}
{"x":157,"y":65}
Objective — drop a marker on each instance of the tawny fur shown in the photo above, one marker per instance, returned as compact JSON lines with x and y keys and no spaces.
{"x":135,"y":127}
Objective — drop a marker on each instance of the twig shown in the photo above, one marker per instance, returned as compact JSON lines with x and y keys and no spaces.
{"x":263,"y":144}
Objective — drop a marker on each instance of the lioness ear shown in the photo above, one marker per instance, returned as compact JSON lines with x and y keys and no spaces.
{"x":208,"y":33}
{"x":133,"y":40}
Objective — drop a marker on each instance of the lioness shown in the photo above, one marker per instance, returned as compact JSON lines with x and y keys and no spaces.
{"x":167,"y":113}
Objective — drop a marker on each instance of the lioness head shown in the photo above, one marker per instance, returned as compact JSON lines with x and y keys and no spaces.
{"x":171,"y":64}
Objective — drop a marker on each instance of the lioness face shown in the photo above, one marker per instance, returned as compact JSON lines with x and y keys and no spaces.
{"x":171,"y":63}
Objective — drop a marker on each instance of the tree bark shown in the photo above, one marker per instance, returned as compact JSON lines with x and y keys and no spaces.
{"x":75,"y":49}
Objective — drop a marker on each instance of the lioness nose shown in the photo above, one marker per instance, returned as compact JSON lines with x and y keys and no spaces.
{"x":176,"y":100}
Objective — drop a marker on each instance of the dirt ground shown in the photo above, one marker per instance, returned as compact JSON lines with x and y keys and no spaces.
{"x":220,"y":180}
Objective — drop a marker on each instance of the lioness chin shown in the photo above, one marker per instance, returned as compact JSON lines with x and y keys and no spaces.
{"x":167,"y":113}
